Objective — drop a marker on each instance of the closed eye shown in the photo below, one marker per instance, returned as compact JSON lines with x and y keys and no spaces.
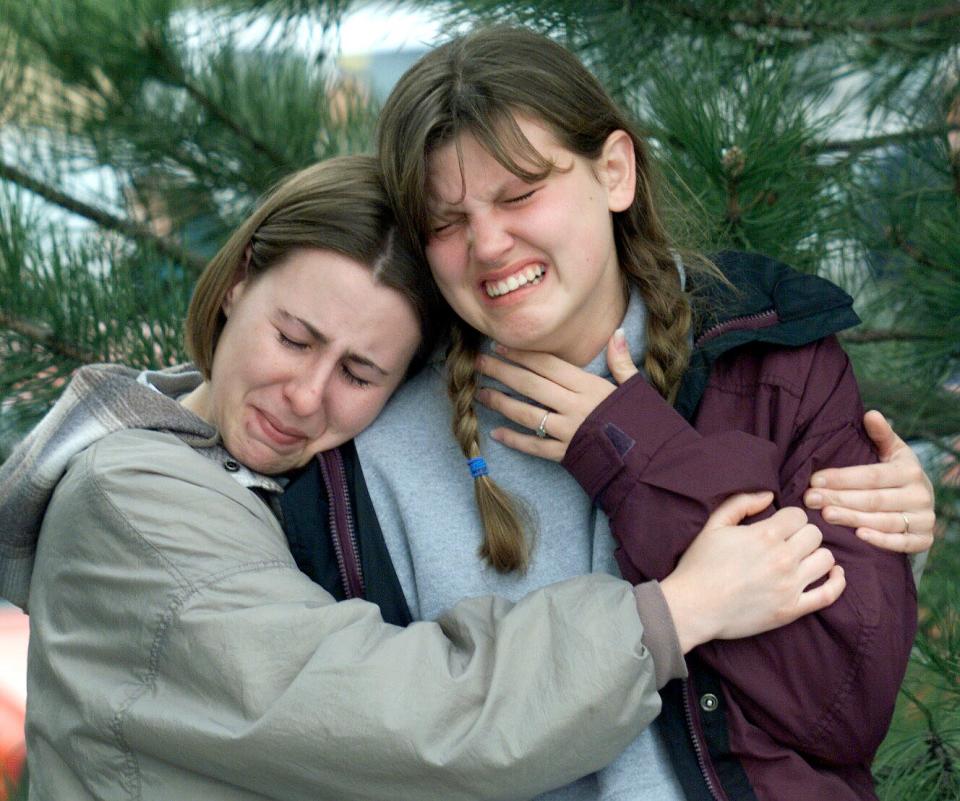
{"x":520,"y":198}
{"x":440,"y":227}
{"x":293,"y":344}
{"x":353,"y":378}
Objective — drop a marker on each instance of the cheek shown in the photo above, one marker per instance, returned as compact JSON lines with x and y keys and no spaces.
{"x":446,"y":258}
{"x":357,"y":409}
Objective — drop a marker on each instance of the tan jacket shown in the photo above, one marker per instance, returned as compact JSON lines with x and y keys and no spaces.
{"x":177,"y":653}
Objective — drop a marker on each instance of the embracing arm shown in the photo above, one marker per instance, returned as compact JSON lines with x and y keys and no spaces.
{"x":205,"y":648}
{"x":890,"y":504}
{"x":825,"y":684}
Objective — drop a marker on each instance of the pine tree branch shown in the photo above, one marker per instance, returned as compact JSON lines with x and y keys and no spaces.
{"x":176,"y":74}
{"x":102,"y":218}
{"x":764,"y":19}
{"x":873,"y":142}
{"x":43,"y":336}
{"x":850,"y":146}
{"x":887,"y":335}
{"x":896,"y":239}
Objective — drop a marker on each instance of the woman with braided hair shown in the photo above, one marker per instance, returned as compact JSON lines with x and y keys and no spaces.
{"x":535,"y":205}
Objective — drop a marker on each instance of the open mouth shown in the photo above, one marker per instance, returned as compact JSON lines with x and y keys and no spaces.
{"x":528,"y":275}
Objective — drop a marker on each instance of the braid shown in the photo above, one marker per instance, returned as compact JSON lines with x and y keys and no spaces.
{"x":504,"y":546}
{"x":647,"y":257}
{"x":669,"y":318}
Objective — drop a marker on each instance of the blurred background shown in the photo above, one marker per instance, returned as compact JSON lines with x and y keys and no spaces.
{"x":134,"y":134}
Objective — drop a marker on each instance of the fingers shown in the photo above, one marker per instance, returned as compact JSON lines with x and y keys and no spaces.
{"x":882,"y":475}
{"x":896,"y":499}
{"x":805,"y":541}
{"x":820,"y":597}
{"x":551,"y":449}
{"x":619,"y":360}
{"x":546,"y":365}
{"x":814,"y":566}
{"x":523,"y":380}
{"x":921,"y":523}
{"x":526,"y":414}
{"x":737,"y":507}
{"x":783,"y":524}
{"x":900,"y":543}
{"x":899,"y":465}
{"x":883,"y":436}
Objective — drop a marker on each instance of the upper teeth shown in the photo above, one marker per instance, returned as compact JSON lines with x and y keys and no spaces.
{"x":528,"y":275}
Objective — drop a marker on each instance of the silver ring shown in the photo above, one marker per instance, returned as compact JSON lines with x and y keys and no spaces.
{"x":906,"y":522}
{"x":542,"y":428}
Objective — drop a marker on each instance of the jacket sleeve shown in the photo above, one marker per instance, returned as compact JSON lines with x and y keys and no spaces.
{"x":657,"y":478}
{"x":213,"y":653}
{"x":826,"y":684}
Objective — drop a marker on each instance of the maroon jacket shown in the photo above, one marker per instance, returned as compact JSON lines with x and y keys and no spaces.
{"x":795,"y":714}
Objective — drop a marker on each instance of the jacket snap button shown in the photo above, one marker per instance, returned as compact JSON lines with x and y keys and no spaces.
{"x":709,"y":702}
{"x":231,"y":465}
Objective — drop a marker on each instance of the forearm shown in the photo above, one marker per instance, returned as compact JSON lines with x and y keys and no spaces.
{"x":657,"y":478}
{"x":476,"y":705}
{"x":826,"y":684}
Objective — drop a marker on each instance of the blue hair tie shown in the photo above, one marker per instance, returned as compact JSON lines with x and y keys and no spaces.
{"x":478,"y":467}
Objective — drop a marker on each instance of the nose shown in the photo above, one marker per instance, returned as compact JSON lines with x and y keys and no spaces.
{"x":306,"y":390}
{"x":489,"y":237}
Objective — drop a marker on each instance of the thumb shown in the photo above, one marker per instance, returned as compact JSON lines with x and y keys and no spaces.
{"x":883,"y":436}
{"x":737,"y":507}
{"x":619,"y":361}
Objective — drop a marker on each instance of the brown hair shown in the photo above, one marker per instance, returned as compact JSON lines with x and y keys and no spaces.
{"x":475,"y":84}
{"x":338,"y":205}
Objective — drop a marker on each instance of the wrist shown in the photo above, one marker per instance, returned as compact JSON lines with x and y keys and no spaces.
{"x":690,"y":616}
{"x":659,"y":634}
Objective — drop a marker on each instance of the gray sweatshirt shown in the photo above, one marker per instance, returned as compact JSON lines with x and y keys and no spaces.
{"x":423,"y":495}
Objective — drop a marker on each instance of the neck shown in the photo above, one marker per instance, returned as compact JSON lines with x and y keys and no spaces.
{"x":198,"y":401}
{"x":599,"y":320}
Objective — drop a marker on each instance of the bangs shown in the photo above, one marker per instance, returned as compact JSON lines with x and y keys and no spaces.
{"x":502,"y":138}
{"x":499,"y":134}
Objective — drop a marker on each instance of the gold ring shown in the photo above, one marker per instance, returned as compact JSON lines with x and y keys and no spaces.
{"x":542,"y":428}
{"x":906,"y":522}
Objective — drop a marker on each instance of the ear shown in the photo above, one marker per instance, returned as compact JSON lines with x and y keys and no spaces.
{"x":239,"y":282}
{"x":617,"y":170}
{"x":233,"y":297}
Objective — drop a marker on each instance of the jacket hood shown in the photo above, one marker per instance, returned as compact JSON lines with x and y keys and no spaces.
{"x":765,"y":301}
{"x":99,"y":400}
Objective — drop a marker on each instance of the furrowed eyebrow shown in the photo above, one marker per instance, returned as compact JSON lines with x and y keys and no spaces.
{"x":323,"y":339}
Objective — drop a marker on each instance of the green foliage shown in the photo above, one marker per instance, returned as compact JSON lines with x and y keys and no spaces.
{"x":920,"y":760}
{"x":190,"y":121}
{"x":743,"y":145}
{"x":67,"y":303}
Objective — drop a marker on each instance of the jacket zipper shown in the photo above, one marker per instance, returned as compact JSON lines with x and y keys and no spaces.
{"x":768,"y":317}
{"x":715,"y":792}
{"x":342,"y":532}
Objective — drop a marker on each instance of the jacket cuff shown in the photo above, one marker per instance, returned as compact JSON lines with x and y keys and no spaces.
{"x":659,"y":634}
{"x":631,"y":423}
